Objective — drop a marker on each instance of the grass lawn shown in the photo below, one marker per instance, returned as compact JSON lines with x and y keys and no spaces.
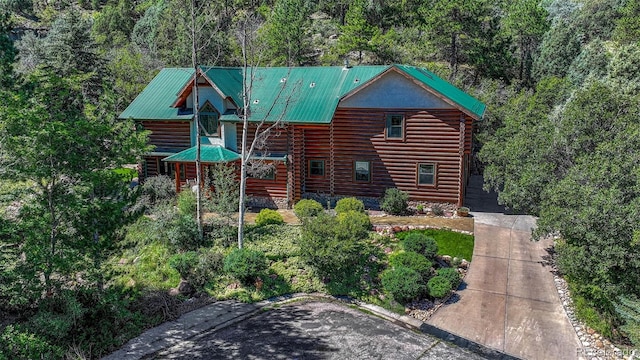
{"x":449,"y":242}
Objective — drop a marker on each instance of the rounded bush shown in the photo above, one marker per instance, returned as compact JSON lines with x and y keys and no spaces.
{"x":403,"y":283}
{"x":306,"y":208}
{"x":245,"y":264}
{"x":452,"y":275}
{"x":349,"y":204}
{"x":353,"y":224}
{"x":268,"y":217}
{"x":420,"y":243}
{"x":395,"y":201}
{"x":413,"y":261}
{"x":439,"y":286}
{"x":184,"y":263}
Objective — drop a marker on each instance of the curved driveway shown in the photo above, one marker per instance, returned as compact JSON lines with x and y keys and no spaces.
{"x":313,"y":330}
{"x":508,"y":300}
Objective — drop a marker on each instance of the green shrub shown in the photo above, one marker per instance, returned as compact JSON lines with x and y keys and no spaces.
{"x":269,"y":217}
{"x":437,"y":210}
{"x":349,"y":204}
{"x":353,"y":224}
{"x":19,"y":344}
{"x":187,"y":203}
{"x":184,"y":263}
{"x":306,"y":208}
{"x":452,"y":275}
{"x":403,"y":283}
{"x":420,"y":243}
{"x":395,"y":201}
{"x":245,"y":264}
{"x":155,"y":190}
{"x":413,"y":261}
{"x":182,"y":232}
{"x":438,"y":286}
{"x":208,"y":265}
{"x":327,"y":248}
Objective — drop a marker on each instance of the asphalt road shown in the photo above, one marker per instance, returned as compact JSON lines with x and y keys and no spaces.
{"x":314,"y":330}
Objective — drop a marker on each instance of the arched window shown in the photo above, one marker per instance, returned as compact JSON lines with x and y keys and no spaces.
{"x":209,"y":124}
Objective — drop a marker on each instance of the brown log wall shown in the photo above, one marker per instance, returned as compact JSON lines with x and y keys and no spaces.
{"x":277,"y":142}
{"x":359,"y":134}
{"x":276,"y":188}
{"x":169,"y":134}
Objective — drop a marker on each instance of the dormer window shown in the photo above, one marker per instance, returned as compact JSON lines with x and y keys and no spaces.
{"x":209,"y":120}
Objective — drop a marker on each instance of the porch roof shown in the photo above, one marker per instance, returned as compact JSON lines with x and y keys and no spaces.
{"x":208,"y":154}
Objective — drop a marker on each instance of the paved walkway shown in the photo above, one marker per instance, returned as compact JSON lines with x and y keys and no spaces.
{"x":508,"y":301}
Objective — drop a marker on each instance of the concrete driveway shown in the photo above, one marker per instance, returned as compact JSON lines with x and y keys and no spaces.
{"x":508,"y":300}
{"x":314,"y":330}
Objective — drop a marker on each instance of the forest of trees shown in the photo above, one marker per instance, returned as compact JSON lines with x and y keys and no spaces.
{"x":560,"y":140}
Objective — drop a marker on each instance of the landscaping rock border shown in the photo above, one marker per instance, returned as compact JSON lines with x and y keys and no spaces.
{"x":594,"y":345}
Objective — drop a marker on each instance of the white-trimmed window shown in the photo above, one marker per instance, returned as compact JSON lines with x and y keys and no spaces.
{"x":316,"y":167}
{"x":426,"y":174}
{"x":362,"y":171}
{"x":395,"y":126}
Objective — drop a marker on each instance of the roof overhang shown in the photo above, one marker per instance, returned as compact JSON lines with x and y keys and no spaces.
{"x":209,"y":154}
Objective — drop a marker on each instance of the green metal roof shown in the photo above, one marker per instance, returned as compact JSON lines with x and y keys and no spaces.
{"x":154,"y":102}
{"x":466,"y":101}
{"x":227,"y":80}
{"x":302,"y":94}
{"x":208,"y":154}
{"x":307,"y":95}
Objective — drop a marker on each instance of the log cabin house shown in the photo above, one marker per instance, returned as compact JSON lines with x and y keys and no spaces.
{"x":345,"y":131}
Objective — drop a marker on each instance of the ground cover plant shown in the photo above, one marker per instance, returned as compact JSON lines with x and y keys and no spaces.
{"x":159,"y":253}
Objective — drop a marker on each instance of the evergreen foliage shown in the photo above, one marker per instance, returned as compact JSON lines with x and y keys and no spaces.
{"x":403,"y":283}
{"x":349,"y":204}
{"x":306,"y":208}
{"x":269,"y":217}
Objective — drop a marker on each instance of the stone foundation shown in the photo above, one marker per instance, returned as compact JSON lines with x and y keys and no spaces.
{"x":262,"y":202}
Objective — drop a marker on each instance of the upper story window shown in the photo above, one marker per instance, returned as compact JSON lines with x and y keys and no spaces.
{"x":395,"y":126}
{"x":209,"y":120}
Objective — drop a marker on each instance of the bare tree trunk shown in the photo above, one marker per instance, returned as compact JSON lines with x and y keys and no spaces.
{"x":196,"y":119}
{"x":245,"y":130}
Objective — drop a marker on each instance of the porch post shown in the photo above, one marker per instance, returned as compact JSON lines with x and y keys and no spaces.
{"x":177,"y":175}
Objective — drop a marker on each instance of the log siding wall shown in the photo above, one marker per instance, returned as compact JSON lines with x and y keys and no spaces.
{"x":359,"y":135}
{"x":174,"y":135}
{"x":277,"y":143}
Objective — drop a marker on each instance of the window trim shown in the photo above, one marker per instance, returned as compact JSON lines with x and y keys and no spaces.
{"x":388,"y":125}
{"x":435,"y":174}
{"x":369,"y":168}
{"x":324,"y":172}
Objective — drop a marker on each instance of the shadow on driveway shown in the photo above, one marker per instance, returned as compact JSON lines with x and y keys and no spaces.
{"x":314,"y":330}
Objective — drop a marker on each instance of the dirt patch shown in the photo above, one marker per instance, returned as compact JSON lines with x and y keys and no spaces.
{"x":456,"y":223}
